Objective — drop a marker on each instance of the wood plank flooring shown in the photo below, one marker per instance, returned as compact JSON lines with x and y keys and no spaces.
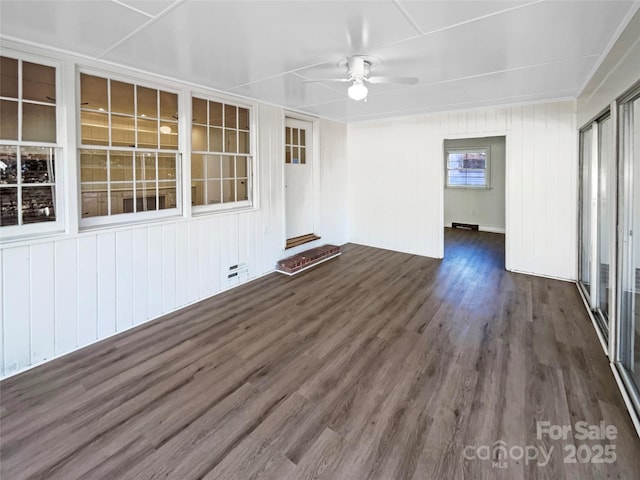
{"x":375,"y":365}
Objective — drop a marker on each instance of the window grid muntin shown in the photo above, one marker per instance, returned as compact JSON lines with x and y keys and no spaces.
{"x":110,"y":148}
{"x":226,"y":151}
{"x":19,"y":143}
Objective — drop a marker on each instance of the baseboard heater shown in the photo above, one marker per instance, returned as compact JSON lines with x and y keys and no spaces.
{"x":465,"y":226}
{"x":307,"y":259}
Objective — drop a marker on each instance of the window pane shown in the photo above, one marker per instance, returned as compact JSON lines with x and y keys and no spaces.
{"x":147,"y":133}
{"x":8,"y":164}
{"x":38,"y":204}
{"x":167,"y":196}
{"x":93,"y":166}
{"x":38,"y":82}
{"x":199,"y":138}
{"x":197,"y":167}
{"x":94,"y":200}
{"x":197,"y":192}
{"x":456,"y":160}
{"x":121,"y":197}
{"x":215,"y":114}
{"x":241,"y":188}
{"x":123,"y":131}
{"x":213,"y":166}
{"x":215,"y":139}
{"x":243,"y":142}
{"x":243,"y":118}
{"x":228,"y":191}
{"x":287,"y":135}
{"x":93,"y":92}
{"x":303,"y":138}
{"x":303,"y":155}
{"x":38,"y":123}
{"x":230,"y":116}
{"x":169,"y":135}
{"x":287,"y":154}
{"x":241,"y":166}
{"x":199,"y":110}
{"x":121,"y":166}
{"x":147,"y":99}
{"x":37,"y":164}
{"x":122,"y":97}
{"x":95,"y":128}
{"x":8,"y":206}
{"x":146,"y":166}
{"x":476,"y":177}
{"x":294,"y":137}
{"x":457,"y":177}
{"x":8,"y":120}
{"x":166,"y":167}
{"x":228,"y":163}
{"x":214,"y":192}
{"x":231,"y":140}
{"x":8,"y":77}
{"x":145,"y":196}
{"x":168,"y":106}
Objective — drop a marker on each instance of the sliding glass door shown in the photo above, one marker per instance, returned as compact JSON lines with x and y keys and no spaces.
{"x":606,"y":182}
{"x":629,"y":242}
{"x":585,"y":205}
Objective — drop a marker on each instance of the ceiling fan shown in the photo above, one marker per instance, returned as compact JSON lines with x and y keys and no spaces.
{"x":358,"y":68}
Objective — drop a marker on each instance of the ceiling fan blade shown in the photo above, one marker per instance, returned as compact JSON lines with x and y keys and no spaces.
{"x":398,"y":80}
{"x":320,"y":80}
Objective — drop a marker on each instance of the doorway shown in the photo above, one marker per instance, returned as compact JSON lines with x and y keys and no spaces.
{"x":474,"y":188}
{"x":298,"y":182}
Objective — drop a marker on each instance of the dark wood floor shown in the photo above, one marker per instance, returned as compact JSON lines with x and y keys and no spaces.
{"x":376,"y":365}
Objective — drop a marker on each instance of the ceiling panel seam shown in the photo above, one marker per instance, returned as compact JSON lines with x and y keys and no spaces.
{"x":483,"y":17}
{"x":131,"y":7}
{"x":408,"y":16}
{"x":142,"y":27}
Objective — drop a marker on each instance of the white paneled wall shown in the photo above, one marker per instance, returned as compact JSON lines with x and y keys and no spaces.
{"x":396,"y":182}
{"x":61,"y":294}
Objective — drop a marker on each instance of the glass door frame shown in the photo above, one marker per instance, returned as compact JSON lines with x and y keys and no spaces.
{"x":622,"y":344}
{"x":591,"y":292}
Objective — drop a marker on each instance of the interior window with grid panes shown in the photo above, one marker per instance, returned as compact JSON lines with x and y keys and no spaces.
{"x":221,"y":154}
{"x":129,"y":148}
{"x":28,"y":149}
{"x":295,"y":146}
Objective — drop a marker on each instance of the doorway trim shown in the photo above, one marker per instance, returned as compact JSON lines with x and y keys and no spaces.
{"x":315,"y":179}
{"x":441,"y":182}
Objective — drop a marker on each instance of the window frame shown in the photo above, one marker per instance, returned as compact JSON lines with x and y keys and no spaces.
{"x":252,"y":197}
{"x":17,"y":232}
{"x":484,"y":149}
{"x":133,"y":217}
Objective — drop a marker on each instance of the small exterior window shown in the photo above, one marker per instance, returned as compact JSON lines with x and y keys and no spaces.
{"x":129,"y":159}
{"x":468,"y":168}
{"x":221,"y":158}
{"x":28,"y":146}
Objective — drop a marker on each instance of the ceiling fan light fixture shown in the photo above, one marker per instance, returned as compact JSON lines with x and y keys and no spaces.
{"x":358,"y":91}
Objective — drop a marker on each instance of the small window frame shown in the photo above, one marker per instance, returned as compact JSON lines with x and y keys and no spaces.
{"x":465,"y":150}
{"x":252,"y":197}
{"x":10,"y":233}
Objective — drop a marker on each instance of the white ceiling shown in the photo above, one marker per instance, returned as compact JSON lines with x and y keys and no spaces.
{"x":465,"y":53}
